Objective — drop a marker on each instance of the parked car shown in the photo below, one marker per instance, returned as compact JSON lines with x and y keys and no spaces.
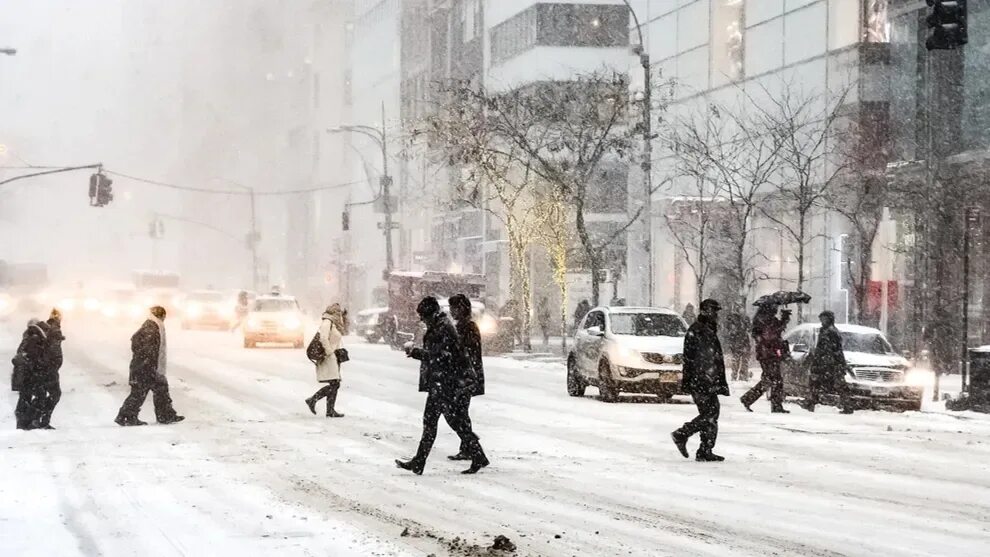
{"x":207,"y":309}
{"x":371,"y":324}
{"x":877,"y":375}
{"x":627,"y":350}
{"x":274,"y":319}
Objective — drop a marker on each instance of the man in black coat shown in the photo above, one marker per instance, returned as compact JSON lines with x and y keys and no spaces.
{"x":771,"y":350}
{"x":704,"y":378}
{"x":738,"y":343}
{"x":827,"y":366}
{"x":29,"y":369}
{"x":50,"y":389}
{"x":470,"y":338}
{"x":445,"y":375}
{"x":147,"y":373}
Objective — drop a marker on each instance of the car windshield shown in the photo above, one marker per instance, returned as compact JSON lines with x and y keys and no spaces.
{"x":869,"y":343}
{"x":275,"y":305}
{"x":648,"y":325}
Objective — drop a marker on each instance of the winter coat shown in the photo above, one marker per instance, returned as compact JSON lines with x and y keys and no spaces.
{"x":470,"y":338}
{"x":30,"y":362}
{"x":704,"y":363}
{"x":53,"y":350}
{"x":768,"y":332}
{"x":331,"y":339}
{"x":146,"y":345}
{"x":827,"y":362}
{"x":443,"y":367}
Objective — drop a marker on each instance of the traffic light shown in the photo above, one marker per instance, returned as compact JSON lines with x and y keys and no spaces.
{"x":100,"y":190}
{"x":948,"y":24}
{"x":345,"y":219}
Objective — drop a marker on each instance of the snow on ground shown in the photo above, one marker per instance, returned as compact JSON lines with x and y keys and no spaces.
{"x":252,"y":472}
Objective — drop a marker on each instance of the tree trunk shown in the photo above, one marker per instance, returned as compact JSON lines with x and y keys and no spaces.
{"x":591,"y":254}
{"x":802,"y":231}
{"x":520,"y":285}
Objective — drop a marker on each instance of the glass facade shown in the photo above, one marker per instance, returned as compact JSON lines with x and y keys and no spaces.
{"x":560,"y":24}
{"x":976,"y":78}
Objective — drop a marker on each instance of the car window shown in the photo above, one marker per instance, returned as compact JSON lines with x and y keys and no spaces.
{"x":648,"y":325}
{"x":870,"y":343}
{"x":275,"y":305}
{"x":798,"y":338}
{"x":595,"y":319}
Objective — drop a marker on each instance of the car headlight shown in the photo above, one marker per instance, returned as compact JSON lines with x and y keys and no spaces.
{"x":193,"y":310}
{"x":291,"y":323}
{"x":487,"y":325}
{"x":91,"y":304}
{"x":67,"y":304}
{"x":226,"y":312}
{"x":626,"y":354}
{"x":918,"y":377}
{"x":4,"y":304}
{"x":253,"y":323}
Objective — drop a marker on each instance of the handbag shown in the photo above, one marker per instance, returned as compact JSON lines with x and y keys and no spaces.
{"x":342,"y":355}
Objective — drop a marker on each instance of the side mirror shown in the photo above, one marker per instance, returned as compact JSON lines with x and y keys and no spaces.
{"x":800,"y":347}
{"x":596,"y":331}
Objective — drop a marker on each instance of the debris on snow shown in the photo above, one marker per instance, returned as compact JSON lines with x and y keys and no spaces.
{"x":503,"y":543}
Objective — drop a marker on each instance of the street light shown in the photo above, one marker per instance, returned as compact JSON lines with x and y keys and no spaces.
{"x":647,"y":164}
{"x":380,"y":137}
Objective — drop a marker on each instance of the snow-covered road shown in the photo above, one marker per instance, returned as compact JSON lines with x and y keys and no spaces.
{"x":252,"y":472}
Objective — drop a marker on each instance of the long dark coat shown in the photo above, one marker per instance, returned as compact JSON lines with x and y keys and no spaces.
{"x":53,"y":351}
{"x":827,"y":363}
{"x":768,"y":332}
{"x":704,"y":362}
{"x":145,"y":344}
{"x":30,"y":359}
{"x":470,"y":338}
{"x":443,"y":368}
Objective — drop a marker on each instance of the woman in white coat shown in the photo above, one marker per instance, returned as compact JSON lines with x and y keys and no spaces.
{"x":333,"y":327}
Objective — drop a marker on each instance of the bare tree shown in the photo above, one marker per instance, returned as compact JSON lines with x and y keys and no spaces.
{"x":555,"y":232}
{"x":803,"y":125}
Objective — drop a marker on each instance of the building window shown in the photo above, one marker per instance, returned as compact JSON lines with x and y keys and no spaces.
{"x":876,"y":24}
{"x":582,"y":25}
{"x":727,"y":40}
{"x":514,"y":35}
{"x":976,"y":78}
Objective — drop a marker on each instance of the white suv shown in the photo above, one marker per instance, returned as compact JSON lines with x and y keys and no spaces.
{"x":627,"y":349}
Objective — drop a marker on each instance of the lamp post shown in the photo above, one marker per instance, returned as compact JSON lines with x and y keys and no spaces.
{"x":380,"y":137}
{"x":647,"y":163}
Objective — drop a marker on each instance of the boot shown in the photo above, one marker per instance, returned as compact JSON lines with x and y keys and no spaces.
{"x":331,"y":413}
{"x":680,"y":441}
{"x":414,"y":466}
{"x":745,"y":404}
{"x":172,"y":420}
{"x":708,"y":456}
{"x":478,"y":462}
{"x":127,"y":422}
{"x":459,"y":456}
{"x":312,"y":405}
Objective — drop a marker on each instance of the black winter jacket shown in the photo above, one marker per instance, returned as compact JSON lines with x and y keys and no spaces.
{"x":827,"y":361}
{"x":704,"y":363}
{"x":443,"y":368}
{"x":144,"y":349}
{"x":470,"y":338}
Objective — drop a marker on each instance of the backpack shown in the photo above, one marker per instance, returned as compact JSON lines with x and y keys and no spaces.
{"x":316,"y":351}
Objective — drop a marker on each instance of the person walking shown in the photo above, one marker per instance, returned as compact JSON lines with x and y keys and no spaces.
{"x":689,"y":314}
{"x":470,"y":338}
{"x":704,"y":379}
{"x":29,"y":372}
{"x":444,"y":374}
{"x":543,"y":318}
{"x":827,"y":366}
{"x":771,"y":350}
{"x":738,"y":343}
{"x":49,"y":390}
{"x":149,"y":363}
{"x":333,"y":327}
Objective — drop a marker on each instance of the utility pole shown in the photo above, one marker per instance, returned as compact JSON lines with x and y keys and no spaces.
{"x":972,"y":219}
{"x":380,"y":137}
{"x":646,"y":127}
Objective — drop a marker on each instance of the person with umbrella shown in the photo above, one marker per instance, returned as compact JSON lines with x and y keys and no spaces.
{"x":771,"y":350}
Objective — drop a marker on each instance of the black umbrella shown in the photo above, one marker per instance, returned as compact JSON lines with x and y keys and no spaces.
{"x":782,"y":298}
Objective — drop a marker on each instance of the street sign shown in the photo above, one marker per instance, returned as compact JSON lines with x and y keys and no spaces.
{"x":381,"y":226}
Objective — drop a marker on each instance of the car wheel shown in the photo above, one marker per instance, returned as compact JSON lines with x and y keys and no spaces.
{"x":575,"y":383}
{"x":249,"y":343}
{"x":606,"y":386}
